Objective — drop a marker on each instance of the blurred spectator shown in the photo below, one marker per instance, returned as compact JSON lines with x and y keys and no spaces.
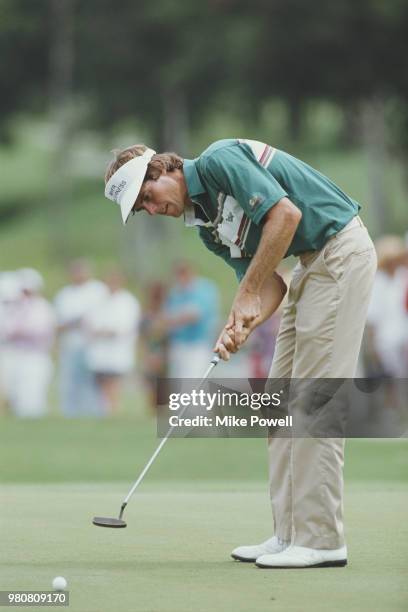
{"x":154,"y":341}
{"x":262,"y":346}
{"x":111,"y":331}
{"x":387,"y":321}
{"x":78,"y":392}
{"x":191,"y":315}
{"x":29,"y":332}
{"x":10,"y":293}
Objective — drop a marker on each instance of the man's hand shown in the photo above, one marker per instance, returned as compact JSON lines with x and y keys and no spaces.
{"x":243,"y":318}
{"x":247,"y":312}
{"x":225,"y":344}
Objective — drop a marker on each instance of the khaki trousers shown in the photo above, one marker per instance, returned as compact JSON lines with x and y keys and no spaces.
{"x":319,"y":337}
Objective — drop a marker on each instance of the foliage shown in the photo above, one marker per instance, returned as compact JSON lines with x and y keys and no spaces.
{"x":130,"y":58}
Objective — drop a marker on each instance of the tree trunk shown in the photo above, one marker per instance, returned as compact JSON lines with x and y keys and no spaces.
{"x":150,"y":241}
{"x":295,"y":110}
{"x":351,"y":122}
{"x":175,"y":121}
{"x":61,"y":111}
{"x":374,"y":140}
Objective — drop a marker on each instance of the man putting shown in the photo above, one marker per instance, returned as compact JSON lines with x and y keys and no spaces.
{"x":253,"y":206}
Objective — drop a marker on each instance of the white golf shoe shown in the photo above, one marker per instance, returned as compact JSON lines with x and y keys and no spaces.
{"x":251,"y":553}
{"x":300,"y":556}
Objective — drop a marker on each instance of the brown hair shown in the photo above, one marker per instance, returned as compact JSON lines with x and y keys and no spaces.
{"x":157,"y":165}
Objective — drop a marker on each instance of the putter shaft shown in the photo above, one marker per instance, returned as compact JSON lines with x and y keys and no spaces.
{"x":211,"y":366}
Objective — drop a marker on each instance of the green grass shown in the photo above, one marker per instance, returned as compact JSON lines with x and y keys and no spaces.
{"x":202,"y":498}
{"x":174,"y":554}
{"x":54,"y":450}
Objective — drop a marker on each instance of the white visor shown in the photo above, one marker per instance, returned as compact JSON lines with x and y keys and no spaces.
{"x":123,"y":187}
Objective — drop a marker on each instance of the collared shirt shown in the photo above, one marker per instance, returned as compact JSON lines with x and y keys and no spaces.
{"x":201,"y":297}
{"x":30,"y":324}
{"x":72,"y":303}
{"x":111,"y":333}
{"x":235,"y":182}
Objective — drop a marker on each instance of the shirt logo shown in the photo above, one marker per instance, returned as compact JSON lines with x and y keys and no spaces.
{"x":229,"y":217}
{"x":255,"y":201}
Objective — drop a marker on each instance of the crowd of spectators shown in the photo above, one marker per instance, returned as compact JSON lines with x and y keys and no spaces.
{"x":89,"y":337}
{"x":94,"y":334}
{"x":386,"y":339}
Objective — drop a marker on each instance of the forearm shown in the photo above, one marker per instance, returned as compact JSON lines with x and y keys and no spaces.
{"x":278,"y":231}
{"x":261,"y":290}
{"x":68,"y":325}
{"x":272,"y":293}
{"x":186,"y":317}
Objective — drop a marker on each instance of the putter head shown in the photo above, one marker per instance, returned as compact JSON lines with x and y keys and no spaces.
{"x":114,"y":523}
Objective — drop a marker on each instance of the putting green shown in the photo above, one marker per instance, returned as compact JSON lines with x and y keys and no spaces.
{"x":201,"y":499}
{"x":174,"y":554}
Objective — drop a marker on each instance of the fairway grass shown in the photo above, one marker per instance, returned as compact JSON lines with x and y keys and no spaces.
{"x":87,"y":450}
{"x":174,"y":554}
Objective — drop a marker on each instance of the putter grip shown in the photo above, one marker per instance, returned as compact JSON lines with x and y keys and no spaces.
{"x":215,"y":359}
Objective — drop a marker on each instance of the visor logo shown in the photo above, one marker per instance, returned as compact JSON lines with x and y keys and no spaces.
{"x":116,"y":190}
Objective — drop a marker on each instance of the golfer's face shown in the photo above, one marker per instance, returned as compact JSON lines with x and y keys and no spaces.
{"x":161,"y":197}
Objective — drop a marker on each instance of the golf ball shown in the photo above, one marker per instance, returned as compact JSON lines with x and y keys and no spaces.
{"x":59,"y":583}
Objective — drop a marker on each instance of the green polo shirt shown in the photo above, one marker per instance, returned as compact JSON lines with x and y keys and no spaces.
{"x":234,"y":183}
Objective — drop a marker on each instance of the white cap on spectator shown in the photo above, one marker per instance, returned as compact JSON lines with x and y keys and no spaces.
{"x":10,"y":286}
{"x":30,"y":279}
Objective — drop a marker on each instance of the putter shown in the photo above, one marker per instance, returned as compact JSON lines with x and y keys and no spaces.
{"x":117,"y":523}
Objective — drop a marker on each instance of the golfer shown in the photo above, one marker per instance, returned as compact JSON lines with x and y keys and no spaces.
{"x":254,"y":205}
